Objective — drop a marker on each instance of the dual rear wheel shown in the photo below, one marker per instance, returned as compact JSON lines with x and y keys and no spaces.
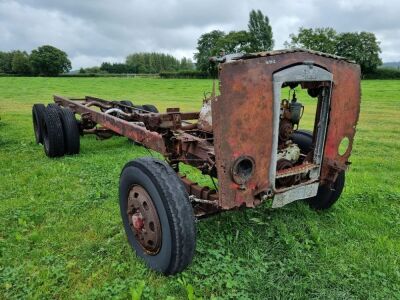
{"x":57,"y":129}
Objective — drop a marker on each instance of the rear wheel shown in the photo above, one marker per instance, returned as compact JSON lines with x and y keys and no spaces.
{"x":38,"y":110}
{"x":55,"y":106}
{"x":127,"y":103}
{"x":150,"y":108}
{"x":70,"y":131}
{"x":53,"y":137}
{"x":157,"y":215}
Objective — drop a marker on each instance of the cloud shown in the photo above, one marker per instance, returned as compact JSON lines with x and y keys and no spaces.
{"x":94,"y":31}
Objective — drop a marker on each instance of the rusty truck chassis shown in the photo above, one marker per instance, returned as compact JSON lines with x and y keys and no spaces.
{"x":177,"y":136}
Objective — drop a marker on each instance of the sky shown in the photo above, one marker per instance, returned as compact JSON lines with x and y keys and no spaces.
{"x":94,"y":31}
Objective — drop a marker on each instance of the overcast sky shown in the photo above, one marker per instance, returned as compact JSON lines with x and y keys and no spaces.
{"x":93,"y":31}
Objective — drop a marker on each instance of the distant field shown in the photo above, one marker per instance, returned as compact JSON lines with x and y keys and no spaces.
{"x":61,"y":235}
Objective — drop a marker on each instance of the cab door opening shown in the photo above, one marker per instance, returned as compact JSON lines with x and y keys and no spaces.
{"x":298,"y":148}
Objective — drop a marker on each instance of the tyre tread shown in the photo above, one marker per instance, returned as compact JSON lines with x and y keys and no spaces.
{"x":71,"y":131}
{"x":55,"y":132}
{"x":180,"y":212}
{"x":150,"y":108}
{"x":38,"y":111}
{"x":327,"y":196}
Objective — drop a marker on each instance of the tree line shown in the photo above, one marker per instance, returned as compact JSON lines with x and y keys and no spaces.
{"x":144,"y":63}
{"x":362,"y":47}
{"x":44,"y":61}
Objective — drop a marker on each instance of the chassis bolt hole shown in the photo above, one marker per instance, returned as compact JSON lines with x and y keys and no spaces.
{"x":150,"y":242}
{"x":151,"y":226}
{"x":145,"y":205}
{"x":135,"y":195}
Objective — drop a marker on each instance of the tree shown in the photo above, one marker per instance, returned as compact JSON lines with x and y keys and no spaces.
{"x":49,"y":61}
{"x":151,"y":63}
{"x":257,"y":38}
{"x":235,"y":42}
{"x":361,"y":47}
{"x":207,"y":46}
{"x":115,"y":68}
{"x":319,"y":39}
{"x":20,"y":63}
{"x":260,"y":32}
{"x":6,"y":62}
{"x":92,"y":70}
{"x":186,"y":64}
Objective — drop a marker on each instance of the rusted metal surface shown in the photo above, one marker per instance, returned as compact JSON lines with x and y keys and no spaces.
{"x":200,"y":192}
{"x":295,"y":50}
{"x":204,"y":199}
{"x":242,"y":126}
{"x":243,"y":118}
{"x":343,"y":118}
{"x":283,"y":167}
{"x":146,"y":137}
{"x":303,"y":168}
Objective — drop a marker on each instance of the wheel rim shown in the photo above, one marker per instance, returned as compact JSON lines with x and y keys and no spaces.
{"x":143,"y":220}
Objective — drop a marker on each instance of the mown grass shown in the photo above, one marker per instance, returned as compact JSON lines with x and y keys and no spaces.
{"x":61,"y":235}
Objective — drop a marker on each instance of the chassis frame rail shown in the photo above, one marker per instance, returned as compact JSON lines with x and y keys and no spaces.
{"x":168,"y":133}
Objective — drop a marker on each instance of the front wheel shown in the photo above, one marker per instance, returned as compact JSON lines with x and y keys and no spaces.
{"x":157,"y":215}
{"x":328,"y":195}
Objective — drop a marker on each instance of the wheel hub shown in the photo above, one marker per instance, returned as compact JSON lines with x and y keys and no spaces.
{"x":144,"y":220}
{"x":137,"y":221}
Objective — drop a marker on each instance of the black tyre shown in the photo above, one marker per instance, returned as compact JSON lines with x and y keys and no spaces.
{"x":53,"y":137}
{"x":127,"y":103}
{"x":55,"y":106}
{"x":157,"y":215}
{"x":150,"y":108}
{"x":38,"y":110}
{"x":327,"y":196}
{"x":70,"y":131}
{"x":304,"y":139}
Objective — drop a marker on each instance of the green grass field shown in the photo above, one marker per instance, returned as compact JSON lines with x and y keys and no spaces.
{"x":61,"y":235}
